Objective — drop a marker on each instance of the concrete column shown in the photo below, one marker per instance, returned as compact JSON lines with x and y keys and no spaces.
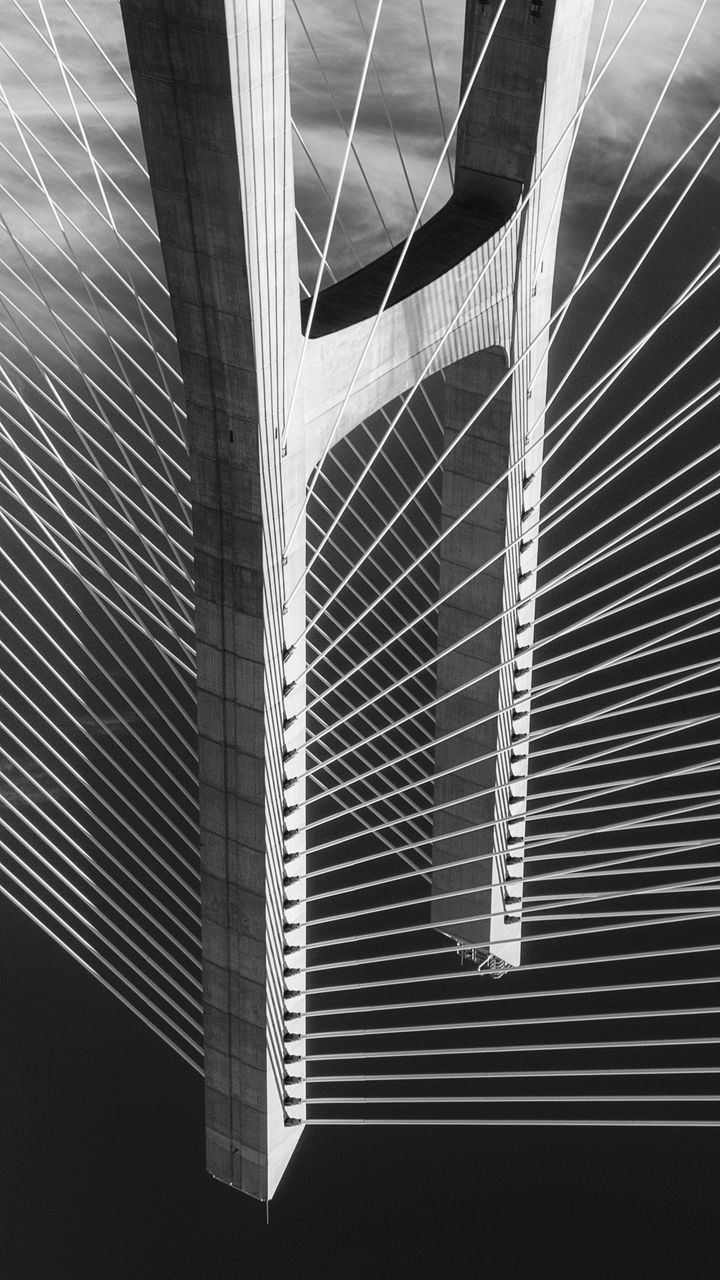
{"x":478,"y":462}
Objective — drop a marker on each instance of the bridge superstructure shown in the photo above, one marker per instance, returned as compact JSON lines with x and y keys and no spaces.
{"x":370,"y":614}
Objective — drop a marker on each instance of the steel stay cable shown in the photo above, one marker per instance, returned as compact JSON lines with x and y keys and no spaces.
{"x":130,"y":854}
{"x":659,"y":915}
{"x":42,"y":444}
{"x":592,"y":73}
{"x":471,"y":829}
{"x":617,"y":1015}
{"x":304,"y":226}
{"x":628,"y":169}
{"x":67,"y":76}
{"x":608,"y":759}
{"x":578,"y":897}
{"x":354,"y":540}
{"x":51,"y":45}
{"x":89,"y":384}
{"x":93,"y":972}
{"x":48,"y":447}
{"x":21,"y":124}
{"x":348,"y":786}
{"x":338,"y":113}
{"x":582,"y":650}
{"x":695,"y":670}
{"x":616,"y":867}
{"x":111,"y":221}
{"x":528,"y":843}
{"x":493,"y":1100}
{"x":331,"y":223}
{"x":405,"y":956}
{"x":528,"y":736}
{"x":127,"y":87}
{"x":98,"y":745}
{"x":598,"y":758}
{"x":349,"y":443}
{"x":406,"y":245}
{"x":183,"y":502}
{"x":49,"y":609}
{"x":46,"y":488}
{"x":538,"y":693}
{"x":523,"y":917}
{"x":436,"y":88}
{"x":6,"y":102}
{"x":344,"y":697}
{"x":149,"y":498}
{"x":97,"y":596}
{"x":638,"y":853}
{"x":87,"y":879}
{"x":310,"y":771}
{"x":69,"y":358}
{"x":403,"y":253}
{"x":464,"y":1050}
{"x":568,"y":962}
{"x":530,"y":912}
{"x":339,"y":222}
{"x":26,"y":253}
{"x":377,"y":1077}
{"x":539,"y":253}
{"x":347,"y":533}
{"x":616,"y":544}
{"x":388,"y":117}
{"x":27,"y":539}
{"x":559,"y":510}
{"x":635,"y":598}
{"x":633,"y":736}
{"x":148,"y":226}
{"x":535,"y":908}
{"x":107,"y":263}
{"x":180,"y":656}
{"x":658,"y":434}
{"x":314,"y":585}
{"x":618,"y":368}
{"x":504,"y":235}
{"x":567,"y":574}
{"x":544,"y":527}
{"x":466,"y":763}
{"x":48,"y":887}
{"x":637,"y":1122}
{"x":156,"y":614}
{"x":495,"y":997}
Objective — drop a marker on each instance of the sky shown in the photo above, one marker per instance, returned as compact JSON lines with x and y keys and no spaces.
{"x":102,"y":1151}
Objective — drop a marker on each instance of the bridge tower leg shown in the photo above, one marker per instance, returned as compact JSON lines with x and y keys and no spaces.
{"x":212,"y":88}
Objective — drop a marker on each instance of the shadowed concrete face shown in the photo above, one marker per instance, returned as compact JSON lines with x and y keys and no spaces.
{"x":466,"y":725}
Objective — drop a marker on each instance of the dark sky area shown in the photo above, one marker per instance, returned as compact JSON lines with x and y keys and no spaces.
{"x":101,"y":1139}
{"x":102,"y":1167}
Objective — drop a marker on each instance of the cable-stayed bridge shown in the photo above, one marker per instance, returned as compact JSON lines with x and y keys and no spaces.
{"x":455,"y":636}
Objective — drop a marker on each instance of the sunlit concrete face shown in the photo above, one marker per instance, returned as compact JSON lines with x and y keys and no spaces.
{"x":223,"y":190}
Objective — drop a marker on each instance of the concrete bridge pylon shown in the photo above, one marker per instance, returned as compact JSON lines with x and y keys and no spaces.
{"x":265,"y":403}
